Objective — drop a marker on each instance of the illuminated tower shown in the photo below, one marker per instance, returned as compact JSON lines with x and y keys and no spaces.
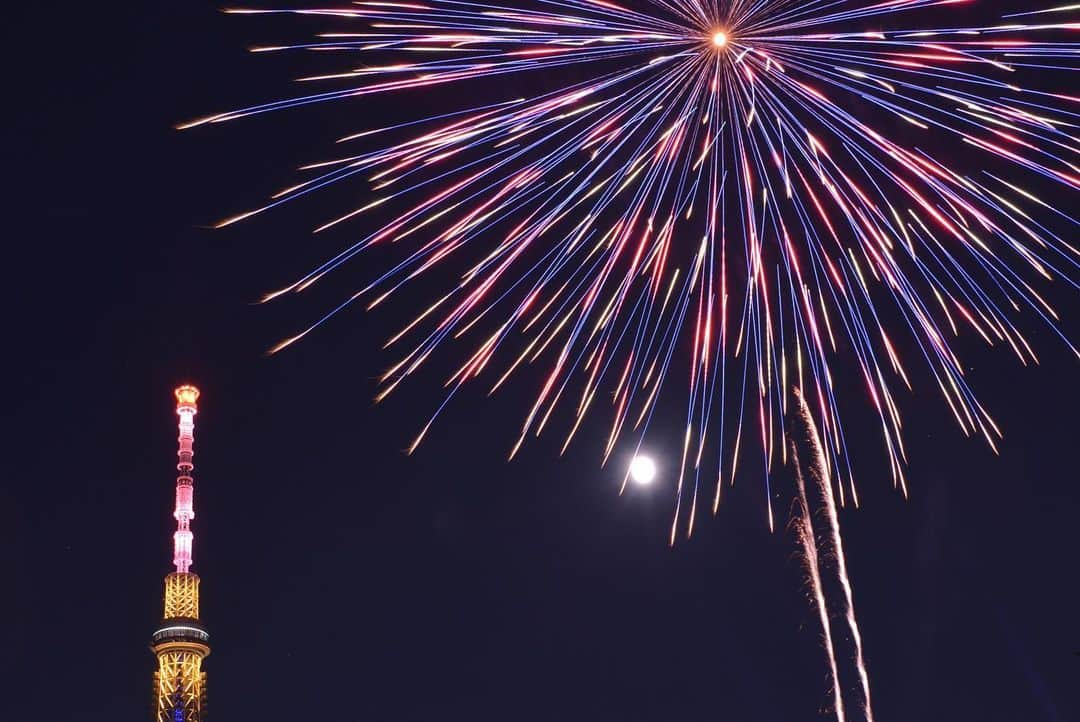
{"x":181,"y":643}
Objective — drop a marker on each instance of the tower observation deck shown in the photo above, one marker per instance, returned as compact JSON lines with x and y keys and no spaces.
{"x":181,"y":643}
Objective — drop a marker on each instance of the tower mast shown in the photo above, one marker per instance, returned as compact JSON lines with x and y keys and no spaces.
{"x":181,"y":642}
{"x":186,"y":408}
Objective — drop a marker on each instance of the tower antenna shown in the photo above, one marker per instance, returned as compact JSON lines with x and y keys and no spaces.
{"x":187,"y":397}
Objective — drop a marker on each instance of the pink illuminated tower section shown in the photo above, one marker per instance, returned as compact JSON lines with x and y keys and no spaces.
{"x":186,"y":408}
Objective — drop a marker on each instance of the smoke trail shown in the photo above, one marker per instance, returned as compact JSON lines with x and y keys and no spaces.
{"x":805,"y":528}
{"x":818,"y":472}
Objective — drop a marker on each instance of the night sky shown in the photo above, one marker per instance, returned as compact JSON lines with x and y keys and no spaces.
{"x":344,"y":580}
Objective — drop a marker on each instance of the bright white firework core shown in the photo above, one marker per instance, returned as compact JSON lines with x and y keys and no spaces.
{"x":642,"y":470}
{"x":719,"y":39}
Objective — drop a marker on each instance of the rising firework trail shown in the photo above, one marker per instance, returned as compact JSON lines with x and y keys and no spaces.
{"x":820,"y":505}
{"x":742,"y":194}
{"x":804,"y":528}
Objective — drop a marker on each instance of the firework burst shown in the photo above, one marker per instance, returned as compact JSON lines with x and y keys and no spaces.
{"x":744,"y":195}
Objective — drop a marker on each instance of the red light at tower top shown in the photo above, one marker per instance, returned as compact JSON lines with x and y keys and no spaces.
{"x":186,"y":408}
{"x":186,"y":395}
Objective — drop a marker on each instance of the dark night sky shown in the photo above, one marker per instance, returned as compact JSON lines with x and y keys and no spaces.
{"x":346,"y":581}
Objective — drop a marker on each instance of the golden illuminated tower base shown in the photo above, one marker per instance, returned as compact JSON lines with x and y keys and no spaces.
{"x":180,"y":645}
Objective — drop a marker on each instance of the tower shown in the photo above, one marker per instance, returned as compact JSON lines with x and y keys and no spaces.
{"x":180,"y":642}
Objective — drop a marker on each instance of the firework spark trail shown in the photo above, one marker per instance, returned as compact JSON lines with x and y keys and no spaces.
{"x":669,"y":199}
{"x":808,"y":453}
{"x":804,"y":526}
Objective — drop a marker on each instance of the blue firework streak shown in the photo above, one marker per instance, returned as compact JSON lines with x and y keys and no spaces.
{"x":743,"y":182}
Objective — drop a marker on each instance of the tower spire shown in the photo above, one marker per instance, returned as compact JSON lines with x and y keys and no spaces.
{"x":187,"y":397}
{"x":181,"y":643}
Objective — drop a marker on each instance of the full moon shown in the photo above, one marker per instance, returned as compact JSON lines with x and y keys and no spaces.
{"x":642,"y":470}
{"x":719,"y":38}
